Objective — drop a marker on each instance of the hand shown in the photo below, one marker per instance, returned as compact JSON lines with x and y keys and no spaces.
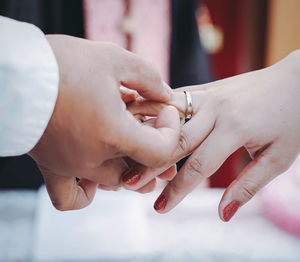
{"x":258,"y":110}
{"x":90,"y":131}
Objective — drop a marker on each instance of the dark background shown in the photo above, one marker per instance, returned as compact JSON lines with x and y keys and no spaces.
{"x":52,"y":16}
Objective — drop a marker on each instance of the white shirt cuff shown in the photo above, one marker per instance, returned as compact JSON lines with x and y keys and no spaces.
{"x":29,"y":82}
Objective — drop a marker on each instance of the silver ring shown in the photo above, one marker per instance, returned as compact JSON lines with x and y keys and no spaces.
{"x":189,"y":106}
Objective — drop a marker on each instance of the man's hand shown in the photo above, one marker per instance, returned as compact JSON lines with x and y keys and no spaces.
{"x":91,"y":131}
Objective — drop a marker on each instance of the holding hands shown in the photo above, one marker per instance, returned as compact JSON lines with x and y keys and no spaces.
{"x":91,"y":135}
{"x":101,"y":136}
{"x":93,"y":138}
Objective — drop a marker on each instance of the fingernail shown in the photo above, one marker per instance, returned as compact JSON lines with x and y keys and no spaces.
{"x":160,"y":203}
{"x":131,"y":178}
{"x":230,"y":210}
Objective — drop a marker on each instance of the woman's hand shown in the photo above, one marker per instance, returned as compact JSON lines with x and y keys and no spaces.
{"x":259,"y":110}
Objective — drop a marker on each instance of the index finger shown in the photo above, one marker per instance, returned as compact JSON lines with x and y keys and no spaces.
{"x":140,"y":75}
{"x":150,"y":146}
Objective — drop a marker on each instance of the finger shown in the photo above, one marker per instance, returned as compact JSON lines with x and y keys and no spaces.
{"x":109,"y":173}
{"x":140,"y":75}
{"x":169,"y":174}
{"x":128,"y":95}
{"x":108,"y":188}
{"x":138,"y":176}
{"x":147,"y":145}
{"x":203,"y":163}
{"x":145,"y":107}
{"x":194,"y":132}
{"x":178,"y":100}
{"x":191,"y":136}
{"x":66,"y":194}
{"x":259,"y":172}
{"x":148,"y":187}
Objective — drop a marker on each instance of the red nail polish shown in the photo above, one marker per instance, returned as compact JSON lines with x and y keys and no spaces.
{"x":131,"y":178}
{"x":160,"y":203}
{"x":230,"y":210}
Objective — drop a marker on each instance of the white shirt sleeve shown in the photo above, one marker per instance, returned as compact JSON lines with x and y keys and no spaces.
{"x":28,"y":86}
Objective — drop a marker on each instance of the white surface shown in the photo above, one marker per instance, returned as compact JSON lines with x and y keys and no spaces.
{"x":122,"y":226}
{"x":16,"y":223}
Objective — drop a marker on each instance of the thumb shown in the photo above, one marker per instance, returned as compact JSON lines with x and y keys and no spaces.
{"x":255,"y":176}
{"x":151,"y":146}
{"x":66,"y":194}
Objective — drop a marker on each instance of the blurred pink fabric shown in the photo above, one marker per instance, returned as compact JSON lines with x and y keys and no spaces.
{"x":102,"y":20}
{"x":147,"y":22}
{"x":281,"y":200}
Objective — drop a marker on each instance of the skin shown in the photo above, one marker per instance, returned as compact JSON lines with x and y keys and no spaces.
{"x":91,"y":135}
{"x":258,"y":110}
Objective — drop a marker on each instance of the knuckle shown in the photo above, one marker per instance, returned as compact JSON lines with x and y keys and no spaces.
{"x":248,"y":190}
{"x":183,"y":143}
{"x":219,"y":100}
{"x":174,"y":188}
{"x":236,"y":121}
{"x":232,"y":120}
{"x":194,"y":168}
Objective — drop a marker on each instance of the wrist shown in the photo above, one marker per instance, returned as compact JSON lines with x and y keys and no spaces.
{"x":50,"y":124}
{"x":286,"y":73}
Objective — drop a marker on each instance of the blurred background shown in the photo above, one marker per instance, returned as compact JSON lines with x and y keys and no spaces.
{"x":191,"y":42}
